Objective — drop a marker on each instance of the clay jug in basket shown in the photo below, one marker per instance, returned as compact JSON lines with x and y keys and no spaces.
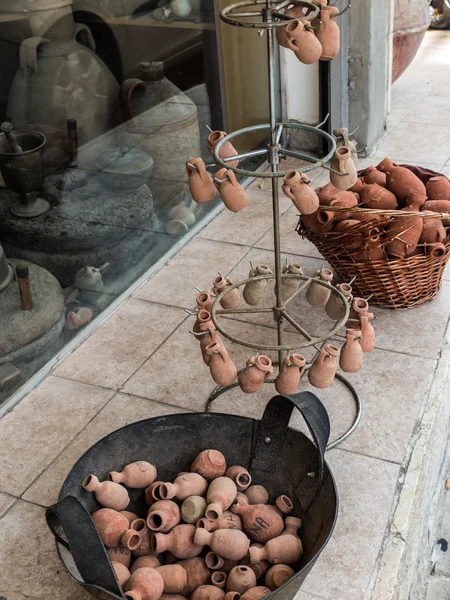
{"x":326,"y":193}
{"x":201,"y":184}
{"x":372,"y":248}
{"x":404,"y":233}
{"x":312,"y":222}
{"x":288,"y":379}
{"x":377,"y":197}
{"x":323,"y":369}
{"x":317,"y":294}
{"x":373,"y":175}
{"x":438,"y":188}
{"x":232,"y":193}
{"x":401,"y":181}
{"x":341,"y":200}
{"x":303,"y":42}
{"x":351,"y":357}
{"x":354,"y":239}
{"x":343,"y":163}
{"x":258,"y":369}
{"x":255,"y":291}
{"x":441,"y":206}
{"x":433,"y":230}
{"x":328,"y":32}
{"x":297,"y":187}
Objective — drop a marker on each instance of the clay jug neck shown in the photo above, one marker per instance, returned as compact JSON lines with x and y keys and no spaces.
{"x":63,"y":30}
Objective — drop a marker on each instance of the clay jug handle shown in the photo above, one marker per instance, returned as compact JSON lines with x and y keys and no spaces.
{"x":86,"y":37}
{"x":28,"y":54}
{"x":126,"y":96}
{"x":287,"y":191}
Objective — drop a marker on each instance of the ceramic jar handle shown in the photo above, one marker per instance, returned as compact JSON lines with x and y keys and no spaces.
{"x":87,"y":39}
{"x":28,"y":54}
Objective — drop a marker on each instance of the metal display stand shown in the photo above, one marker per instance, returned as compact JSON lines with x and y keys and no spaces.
{"x":266,"y":17}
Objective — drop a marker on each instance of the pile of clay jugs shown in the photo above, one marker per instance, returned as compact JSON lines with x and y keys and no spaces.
{"x":246,"y":544}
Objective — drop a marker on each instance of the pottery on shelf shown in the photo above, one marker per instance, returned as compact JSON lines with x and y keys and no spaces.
{"x":335,"y":308}
{"x":438,"y":188}
{"x":219,"y":497}
{"x":163,"y":515}
{"x":367,"y":341}
{"x":302,"y":41}
{"x":257,"y":494}
{"x":376,"y":196}
{"x":226,"y":150}
{"x":174,"y":578}
{"x":144,"y":584}
{"x":188,"y":484}
{"x":351,"y":357}
{"x":222,"y":368}
{"x":107,"y":493}
{"x":148,"y":561}
{"x":240,"y":579}
{"x":114,"y":529}
{"x":210,"y":464}
{"x":288,"y":379}
{"x":373,"y":175}
{"x":193,"y":509}
{"x":290,"y":285}
{"x":257,"y":370}
{"x":285,"y":549}
{"x":297,"y":187}
{"x":197,"y":574}
{"x":261,"y":522}
{"x":401,"y":181}
{"x":323,"y":369}
{"x":403,"y":234}
{"x":135,"y":475}
{"x":342,"y":199}
{"x":232,"y":299}
{"x":328,"y":32}
{"x":208,"y":592}
{"x":343,"y":163}
{"x":291,"y":526}
{"x":277,"y":575}
{"x":180,"y":542}
{"x":232,"y":193}
{"x":317,"y":294}
{"x":227,"y":543}
{"x":201,"y":185}
{"x":240,"y":476}
{"x":255,"y":291}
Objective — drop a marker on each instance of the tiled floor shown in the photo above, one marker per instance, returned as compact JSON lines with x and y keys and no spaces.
{"x":143,"y":362}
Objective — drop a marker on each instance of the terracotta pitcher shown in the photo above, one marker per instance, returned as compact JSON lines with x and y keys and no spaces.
{"x":317,"y":294}
{"x":401,"y":181}
{"x":222,"y":368}
{"x":210,"y":464}
{"x":341,"y":200}
{"x":367,"y":341}
{"x":202,"y":321}
{"x":230,"y":300}
{"x":327,"y":193}
{"x":208,"y":335}
{"x":258,"y":369}
{"x":227,"y":543}
{"x":286,"y":549}
{"x":240,"y":476}
{"x":205,"y":301}
{"x":350,"y":359}
{"x":226,"y":150}
{"x":233,"y":195}
{"x":144,"y":584}
{"x":354,"y":239}
{"x":107,"y":493}
{"x":312,"y":222}
{"x":240,"y":579}
{"x":303,"y":42}
{"x":440,"y":206}
{"x":438,"y":188}
{"x":328,"y":32}
{"x":376,"y":196}
{"x":295,"y":12}
{"x":297,"y":187}
{"x":404,"y":233}
{"x":288,"y":379}
{"x":373,"y":175}
{"x":323,"y":370}
{"x":220,"y":496}
{"x":135,"y":475}
{"x":255,"y":291}
{"x":201,"y":184}
{"x":335,"y":308}
{"x":289,"y":285}
{"x":342,"y":162}
{"x":415,"y":201}
{"x":433,"y":230}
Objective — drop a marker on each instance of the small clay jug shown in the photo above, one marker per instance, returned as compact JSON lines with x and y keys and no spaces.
{"x":323,"y":369}
{"x":209,"y":464}
{"x":227,"y":520}
{"x":327,"y":193}
{"x":433,"y":230}
{"x":367,"y":341}
{"x":208,"y":592}
{"x":358,"y":185}
{"x":256,"y":593}
{"x":208,"y":335}
{"x":372,"y":250}
{"x":180,"y":542}
{"x":232,"y":193}
{"x":351,"y":357}
{"x":436,"y":250}
{"x":219,"y":579}
{"x":204,"y":301}
{"x":312,"y":222}
{"x":241,"y":498}
{"x":240,"y":579}
{"x":257,"y":494}
{"x":277,"y":575}
{"x":302,"y":41}
{"x":215,"y":562}
{"x":226,"y":150}
{"x":188,"y":484}
{"x":335,"y":308}
{"x":291,"y":526}
{"x":283,"y":505}
{"x":439,"y":206}
{"x":375,"y":196}
{"x":261,"y":521}
{"x":174,"y":578}
{"x":403,"y":234}
{"x":193,"y":509}
{"x":230,"y":300}
{"x":255,"y":291}
{"x":414,"y":202}
{"x":220,"y":496}
{"x":328,"y":32}
{"x":163,"y":515}
{"x":201,"y":184}
{"x":203,"y":318}
{"x":295,"y":12}
{"x":342,"y":162}
{"x":107,"y":493}
{"x":122,"y":572}
{"x":227,"y":543}
{"x":260,"y":568}
{"x":401,"y":181}
{"x":257,"y":370}
{"x":373,"y":175}
{"x":316,"y":294}
{"x":297,"y":187}
{"x":240,"y":476}
{"x":120,"y":554}
{"x":288,"y":379}
{"x":222,"y":368}
{"x":438,"y":188}
{"x":139,"y":474}
{"x":145,"y":534}
{"x":290,"y":284}
{"x":129,"y":515}
{"x":197,"y":574}
{"x":144,"y":584}
{"x":359,"y":307}
{"x":341,"y":200}
{"x":152,"y":493}
{"x":285,"y":549}
{"x":148,"y":561}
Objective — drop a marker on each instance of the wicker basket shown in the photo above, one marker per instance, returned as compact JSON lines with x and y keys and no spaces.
{"x":392,"y":283}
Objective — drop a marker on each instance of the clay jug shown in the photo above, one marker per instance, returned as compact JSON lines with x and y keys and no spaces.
{"x":145,"y":534}
{"x":204,"y":301}
{"x":436,"y":250}
{"x":240,"y":476}
{"x":288,"y":379}
{"x":335,"y":308}
{"x":210,"y":464}
{"x":297,"y":187}
{"x":129,"y":515}
{"x":367,"y":341}
{"x":373,"y":175}
{"x":241,"y":579}
{"x":174,"y":578}
{"x":256,"y":593}
{"x":257,"y":370}
{"x":372,"y":250}
{"x":255,"y":291}
{"x":439,"y":206}
{"x":375,"y":196}
{"x":220,"y":496}
{"x":286,"y":549}
{"x":312,"y":222}
{"x":122,"y":572}
{"x":226,"y":150}
{"x":433,"y":231}
{"x":208,"y":592}
{"x":216,"y":563}
{"x":351,"y":357}
{"x":222,"y":368}
{"x":230,"y":300}
{"x":260,"y":568}
{"x":201,"y":185}
{"x":295,"y":12}
{"x":120,"y":554}
{"x":323,"y":369}
{"x":342,"y":162}
{"x":148,"y":561}
{"x":108,"y":494}
{"x":193,"y":509}
{"x":341,"y":200}
{"x":163,"y":515}
{"x":152,"y":493}
{"x":257,"y":494}
{"x":358,"y":186}
{"x":291,"y":526}
{"x":283,"y":505}
{"x":112,"y":527}
{"x":219,"y":579}
{"x":227,"y":520}
{"x":145,"y":584}
{"x":232,"y":193}
{"x":415,"y":202}
{"x":302,"y":41}
{"x":227,"y":543}
{"x":135,"y":475}
{"x":326,"y":193}
{"x":277,"y":575}
{"x":208,"y":335}
{"x":180,"y":542}
{"x":401,"y":181}
{"x":290,"y":284}
{"x":261,"y":521}
{"x":188,"y":484}
{"x":403,"y":234}
{"x":197,"y":574}
{"x":328,"y":32}
{"x":316,"y":294}
{"x":203,"y":317}
{"x":438,"y":188}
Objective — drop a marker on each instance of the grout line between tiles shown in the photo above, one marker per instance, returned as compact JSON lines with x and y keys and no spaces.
{"x":349,"y":451}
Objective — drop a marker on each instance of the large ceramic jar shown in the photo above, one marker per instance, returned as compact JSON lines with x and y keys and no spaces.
{"x":411,"y":20}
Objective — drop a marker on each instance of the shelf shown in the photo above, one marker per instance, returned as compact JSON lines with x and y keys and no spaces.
{"x":147,"y":21}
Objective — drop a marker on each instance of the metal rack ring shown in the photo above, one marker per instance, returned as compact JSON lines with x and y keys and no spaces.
{"x":230,"y":20}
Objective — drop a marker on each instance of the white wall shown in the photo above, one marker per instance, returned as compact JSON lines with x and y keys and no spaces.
{"x":300,"y":89}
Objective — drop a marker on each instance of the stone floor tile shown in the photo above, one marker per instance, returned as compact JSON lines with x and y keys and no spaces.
{"x":29,"y":565}
{"x":438,"y":115}
{"x":6,"y":501}
{"x":418,"y":142}
{"x":120,"y":411}
{"x":438,"y":588}
{"x":39,"y":428}
{"x":196,"y":265}
{"x":366,"y":487}
{"x":115,"y":350}
{"x":446,"y":170}
{"x":304,"y":596}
